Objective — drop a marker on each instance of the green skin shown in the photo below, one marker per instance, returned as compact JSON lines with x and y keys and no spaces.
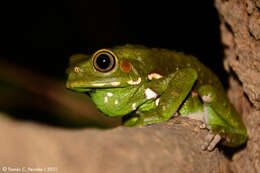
{"x":160,"y":84}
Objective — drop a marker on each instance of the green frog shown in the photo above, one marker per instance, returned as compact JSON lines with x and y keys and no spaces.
{"x":149,"y":85}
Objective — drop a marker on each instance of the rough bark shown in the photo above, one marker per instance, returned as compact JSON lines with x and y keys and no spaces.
{"x":172,"y":146}
{"x":240,"y":30}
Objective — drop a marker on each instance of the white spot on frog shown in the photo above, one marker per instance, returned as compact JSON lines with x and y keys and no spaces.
{"x":163,"y":108}
{"x":157,"y":101}
{"x":203,"y":126}
{"x":136,"y":82}
{"x":116,"y":102}
{"x":98,"y":84}
{"x":115,"y":83}
{"x":134,"y":106}
{"x":109,"y":94}
{"x":149,"y":93}
{"x":105,"y":99}
{"x":206,"y":99}
{"x":154,"y":76}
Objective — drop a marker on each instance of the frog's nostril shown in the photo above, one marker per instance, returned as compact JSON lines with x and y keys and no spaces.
{"x":76,"y":69}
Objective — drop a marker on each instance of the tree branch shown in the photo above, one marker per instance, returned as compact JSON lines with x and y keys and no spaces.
{"x":172,"y":146}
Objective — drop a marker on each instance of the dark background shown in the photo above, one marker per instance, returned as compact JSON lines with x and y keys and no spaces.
{"x":41,"y":35}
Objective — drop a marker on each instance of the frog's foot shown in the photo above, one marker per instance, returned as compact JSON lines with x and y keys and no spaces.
{"x":131,"y":122}
{"x":211,"y":140}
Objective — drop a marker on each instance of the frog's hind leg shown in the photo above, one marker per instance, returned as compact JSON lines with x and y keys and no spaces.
{"x":221,"y":118}
{"x":193,"y":108}
{"x":162,"y":108}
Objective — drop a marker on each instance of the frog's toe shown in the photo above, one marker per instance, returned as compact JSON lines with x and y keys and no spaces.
{"x":211,"y":140}
{"x":131,"y":122}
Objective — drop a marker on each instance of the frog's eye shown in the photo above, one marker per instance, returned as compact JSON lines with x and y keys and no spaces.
{"x":104,"y":61}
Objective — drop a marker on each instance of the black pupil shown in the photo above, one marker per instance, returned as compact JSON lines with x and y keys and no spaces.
{"x":103,"y":61}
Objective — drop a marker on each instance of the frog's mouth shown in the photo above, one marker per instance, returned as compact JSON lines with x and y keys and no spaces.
{"x":81,"y":86}
{"x":78,"y":87}
{"x":81,"y":89}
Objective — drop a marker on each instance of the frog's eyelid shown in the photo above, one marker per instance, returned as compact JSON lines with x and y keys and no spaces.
{"x":105,"y":50}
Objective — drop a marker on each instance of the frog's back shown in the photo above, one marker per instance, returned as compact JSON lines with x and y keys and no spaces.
{"x":173,"y":61}
{"x":166,"y":62}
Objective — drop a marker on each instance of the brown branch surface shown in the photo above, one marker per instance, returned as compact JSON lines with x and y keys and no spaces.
{"x":172,"y":146}
{"x":240,"y":31}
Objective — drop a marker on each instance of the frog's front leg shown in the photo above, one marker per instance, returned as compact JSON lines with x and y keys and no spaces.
{"x":221,"y":118}
{"x":163,"y":107}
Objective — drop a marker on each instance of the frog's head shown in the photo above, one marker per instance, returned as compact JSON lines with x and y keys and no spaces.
{"x":106,"y":68}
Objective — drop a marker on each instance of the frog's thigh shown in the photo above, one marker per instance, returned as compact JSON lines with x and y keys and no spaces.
{"x":221,"y":116}
{"x":177,"y":90}
{"x":179,"y":85}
